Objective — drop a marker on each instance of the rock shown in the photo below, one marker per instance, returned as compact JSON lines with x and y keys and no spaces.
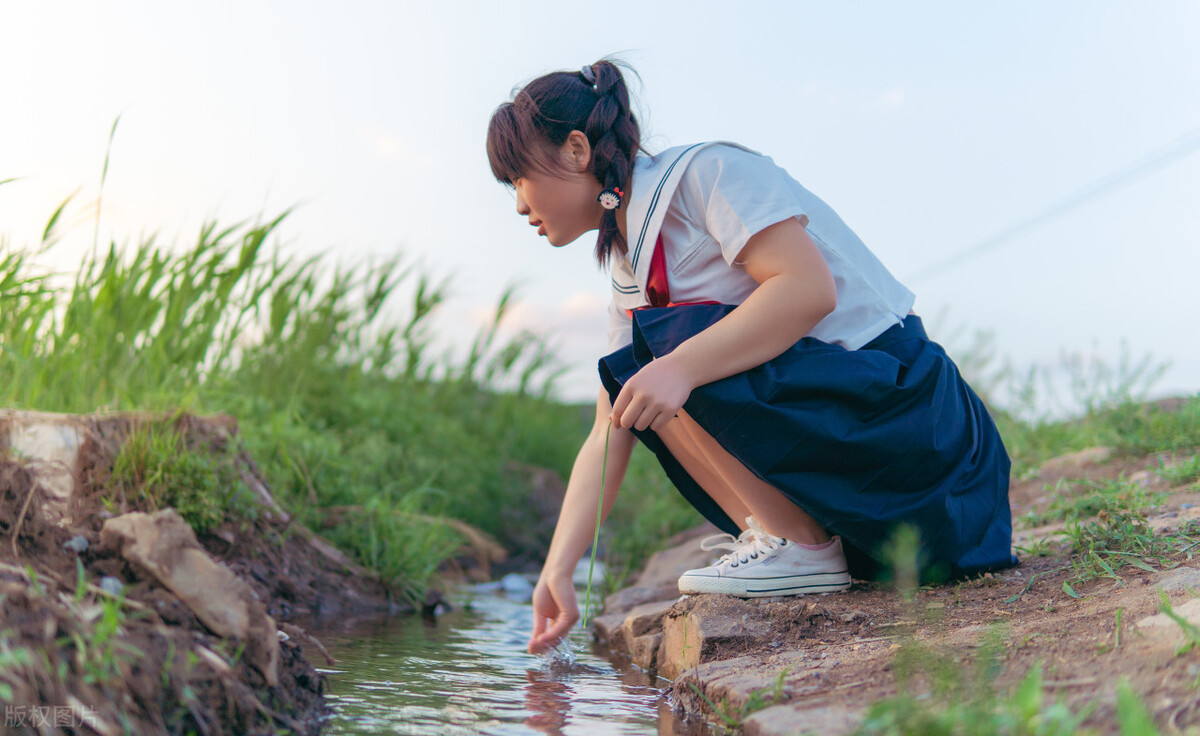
{"x":1181,"y":578}
{"x":1175,"y":520}
{"x":665,"y":567}
{"x":516,"y":586}
{"x":621,"y":629}
{"x":1164,"y":628}
{"x":1065,"y":464}
{"x":624,"y":600}
{"x":644,"y":650}
{"x":165,"y":546}
{"x":778,"y":720}
{"x":645,"y":618}
{"x":694,"y":637}
{"x":735,"y":680}
{"x":607,"y":628}
{"x":51,"y":442}
{"x":77,"y":544}
{"x":111,"y":585}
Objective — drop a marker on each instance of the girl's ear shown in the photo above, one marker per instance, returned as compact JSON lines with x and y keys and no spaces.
{"x":577,"y":152}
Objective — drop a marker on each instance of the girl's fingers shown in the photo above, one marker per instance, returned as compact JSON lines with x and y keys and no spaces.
{"x":661,"y":421}
{"x":646,"y":418}
{"x":539,"y":628}
{"x":623,"y":411}
{"x":557,"y":631}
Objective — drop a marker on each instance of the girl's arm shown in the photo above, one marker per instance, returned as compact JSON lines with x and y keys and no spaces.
{"x":555,"y":609}
{"x":795,"y":292}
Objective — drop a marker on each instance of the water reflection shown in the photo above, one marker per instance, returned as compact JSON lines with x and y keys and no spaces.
{"x":468,"y":673}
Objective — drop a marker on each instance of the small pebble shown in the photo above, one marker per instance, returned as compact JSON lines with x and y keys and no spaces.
{"x":111,"y":585}
{"x":1186,"y":505}
{"x":77,"y":544}
{"x":514,"y":584}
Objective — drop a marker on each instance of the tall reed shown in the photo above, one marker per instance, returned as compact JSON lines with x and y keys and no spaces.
{"x":345,"y":394}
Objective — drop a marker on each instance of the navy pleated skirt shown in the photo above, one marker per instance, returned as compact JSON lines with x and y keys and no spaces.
{"x":862,"y":440}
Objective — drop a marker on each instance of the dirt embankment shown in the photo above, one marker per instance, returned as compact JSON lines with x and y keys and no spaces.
{"x":115,"y":617}
{"x":817,"y":664}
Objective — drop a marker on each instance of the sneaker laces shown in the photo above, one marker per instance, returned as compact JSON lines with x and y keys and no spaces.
{"x":750,"y":545}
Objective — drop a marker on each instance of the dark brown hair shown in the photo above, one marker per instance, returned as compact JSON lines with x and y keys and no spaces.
{"x":525,"y":132}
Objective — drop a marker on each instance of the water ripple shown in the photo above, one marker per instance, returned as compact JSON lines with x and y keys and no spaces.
{"x":468,"y":673}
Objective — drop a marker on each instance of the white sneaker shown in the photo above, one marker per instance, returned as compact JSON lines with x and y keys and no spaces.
{"x":761,"y":565}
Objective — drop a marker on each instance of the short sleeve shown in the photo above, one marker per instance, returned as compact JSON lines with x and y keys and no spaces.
{"x":620,"y":327}
{"x":734,"y":194}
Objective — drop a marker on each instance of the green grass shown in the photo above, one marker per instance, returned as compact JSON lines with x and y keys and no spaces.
{"x":1182,"y":473}
{"x":1074,"y":500}
{"x":941,"y":692}
{"x":940,"y":697}
{"x":1132,"y":429}
{"x":155,"y":469}
{"x":343,"y":394}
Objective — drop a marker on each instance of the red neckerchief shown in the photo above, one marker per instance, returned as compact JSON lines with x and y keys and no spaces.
{"x":658,"y":288}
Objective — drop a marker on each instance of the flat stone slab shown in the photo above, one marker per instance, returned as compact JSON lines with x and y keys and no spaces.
{"x":694,"y":638}
{"x":164,"y":545}
{"x":792,"y":718}
{"x":1163,"y":628}
{"x":738,"y":678}
{"x":1181,"y":578}
{"x":645,"y":619}
{"x":607,"y":628}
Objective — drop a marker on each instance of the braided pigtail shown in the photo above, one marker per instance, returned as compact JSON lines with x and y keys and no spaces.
{"x":615,"y":137}
{"x":524,"y":134}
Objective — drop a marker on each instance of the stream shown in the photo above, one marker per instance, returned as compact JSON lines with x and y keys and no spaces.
{"x":467,"y":672}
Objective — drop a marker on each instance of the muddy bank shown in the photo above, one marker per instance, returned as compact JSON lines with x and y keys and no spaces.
{"x":791,"y":665}
{"x":115,"y":616}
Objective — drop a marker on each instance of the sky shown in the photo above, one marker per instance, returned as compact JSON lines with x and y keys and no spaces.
{"x":1029,"y":169}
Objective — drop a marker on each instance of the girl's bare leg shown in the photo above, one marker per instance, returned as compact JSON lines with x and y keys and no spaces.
{"x":735,"y":489}
{"x":697,"y":464}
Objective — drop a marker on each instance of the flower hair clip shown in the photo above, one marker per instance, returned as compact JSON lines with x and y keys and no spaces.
{"x":610,"y":199}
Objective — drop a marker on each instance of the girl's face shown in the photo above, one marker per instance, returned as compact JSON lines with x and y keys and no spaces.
{"x":562,"y":204}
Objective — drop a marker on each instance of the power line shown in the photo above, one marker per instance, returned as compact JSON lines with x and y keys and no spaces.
{"x":1157,"y":159}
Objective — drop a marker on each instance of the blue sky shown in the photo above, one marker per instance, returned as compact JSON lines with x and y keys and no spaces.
{"x":930,"y":126}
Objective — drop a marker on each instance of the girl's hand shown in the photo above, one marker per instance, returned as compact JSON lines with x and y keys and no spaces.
{"x":653,"y":396}
{"x":555,"y":611}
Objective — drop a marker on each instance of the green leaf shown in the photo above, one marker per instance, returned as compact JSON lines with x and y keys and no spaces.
{"x":1069,"y":590}
{"x":49,"y":231}
{"x":1028,"y":698}
{"x":1131,"y":714}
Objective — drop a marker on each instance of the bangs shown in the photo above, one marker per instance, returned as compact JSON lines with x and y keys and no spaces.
{"x":515,"y":146}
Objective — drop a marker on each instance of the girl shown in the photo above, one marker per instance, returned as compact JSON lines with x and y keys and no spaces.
{"x":760,"y":351}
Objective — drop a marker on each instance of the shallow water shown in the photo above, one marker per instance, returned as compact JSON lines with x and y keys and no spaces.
{"x":468,"y":673}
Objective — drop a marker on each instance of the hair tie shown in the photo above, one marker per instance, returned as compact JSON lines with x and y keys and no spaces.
{"x":589,"y":75}
{"x":610,"y":199}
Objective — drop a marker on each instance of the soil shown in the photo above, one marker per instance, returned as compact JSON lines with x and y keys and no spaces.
{"x":162,"y":671}
{"x":840,"y":650}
